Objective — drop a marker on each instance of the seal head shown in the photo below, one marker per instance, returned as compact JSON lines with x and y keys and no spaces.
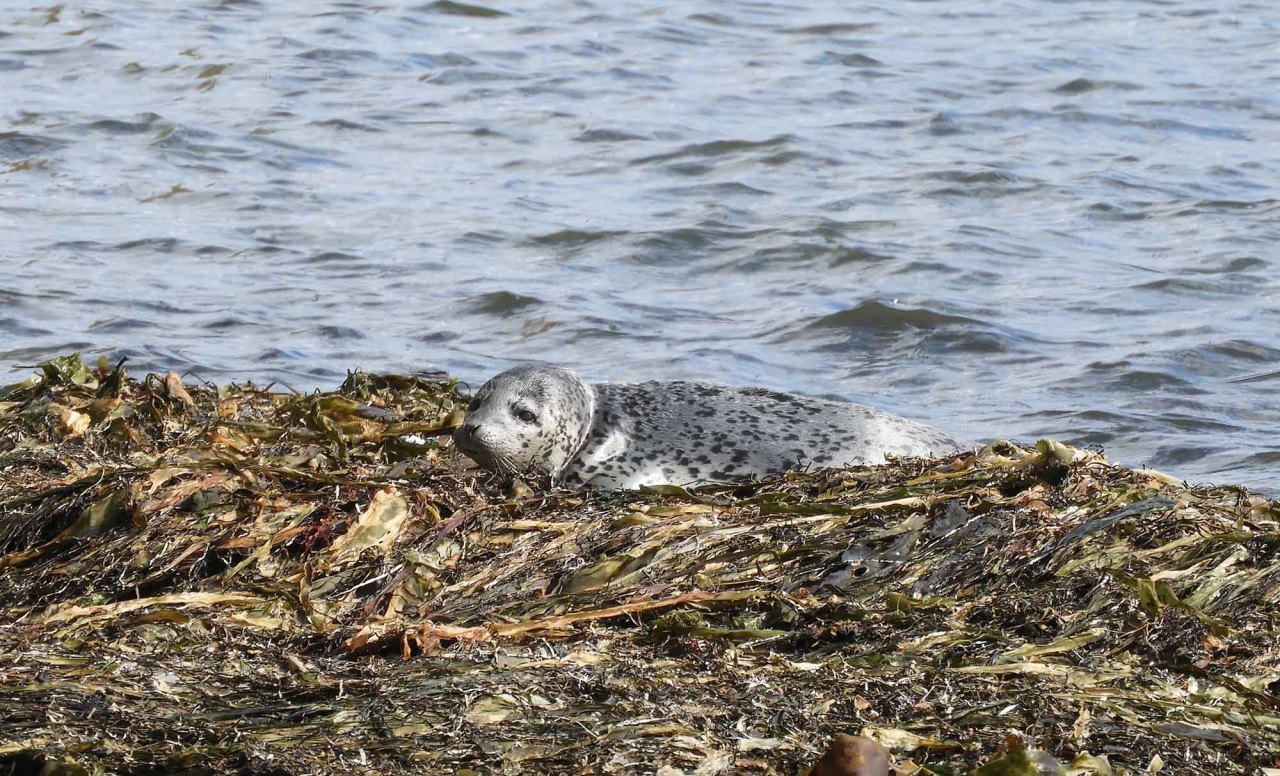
{"x":530,"y":420}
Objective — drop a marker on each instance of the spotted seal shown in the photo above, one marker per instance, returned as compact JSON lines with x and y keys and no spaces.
{"x":544,"y":420}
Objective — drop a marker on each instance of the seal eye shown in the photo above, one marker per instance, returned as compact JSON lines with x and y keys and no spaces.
{"x":525,"y":415}
{"x":474,"y":405}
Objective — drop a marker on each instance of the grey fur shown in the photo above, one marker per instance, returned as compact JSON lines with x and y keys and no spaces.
{"x":621,"y":436}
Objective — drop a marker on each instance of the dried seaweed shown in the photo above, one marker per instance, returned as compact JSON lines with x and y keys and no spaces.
{"x":207,"y":579}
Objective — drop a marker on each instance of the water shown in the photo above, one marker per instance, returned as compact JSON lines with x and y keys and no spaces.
{"x":1004,"y":218}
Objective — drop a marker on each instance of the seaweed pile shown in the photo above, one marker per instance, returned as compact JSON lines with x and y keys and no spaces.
{"x":212,"y":579}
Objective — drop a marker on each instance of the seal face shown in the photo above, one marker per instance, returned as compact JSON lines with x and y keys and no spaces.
{"x":544,"y":420}
{"x":529,"y":420}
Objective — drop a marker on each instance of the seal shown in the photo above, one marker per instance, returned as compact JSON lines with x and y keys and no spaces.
{"x":544,"y":421}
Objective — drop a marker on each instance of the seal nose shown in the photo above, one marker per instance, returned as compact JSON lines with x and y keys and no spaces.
{"x":465,"y":437}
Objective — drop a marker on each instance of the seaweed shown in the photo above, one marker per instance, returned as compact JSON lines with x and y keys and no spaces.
{"x":204,"y":579}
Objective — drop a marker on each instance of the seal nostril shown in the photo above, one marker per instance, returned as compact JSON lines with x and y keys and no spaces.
{"x":470,"y":429}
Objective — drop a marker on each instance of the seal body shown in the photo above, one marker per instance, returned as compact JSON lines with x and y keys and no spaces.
{"x":545,"y":420}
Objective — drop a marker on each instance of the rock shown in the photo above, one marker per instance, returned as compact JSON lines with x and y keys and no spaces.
{"x":853,"y":756}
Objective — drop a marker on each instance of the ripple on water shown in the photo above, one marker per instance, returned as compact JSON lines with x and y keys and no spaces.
{"x":1095,"y":121}
{"x":288,"y":156}
{"x":30,"y":356}
{"x":1085,"y":85}
{"x":162,"y":306}
{"x":832,"y":29}
{"x":187,"y":143}
{"x":144,"y":245}
{"x":24,"y":145}
{"x":476,"y":74}
{"x":1268,"y":458}
{"x":1237,"y":265}
{"x":574,"y":238}
{"x":982,"y":184}
{"x":121,"y":325}
{"x":1225,"y":207}
{"x":10,"y":300}
{"x":1210,"y":362}
{"x":144,"y":122}
{"x":677,"y":246}
{"x":725,"y":192}
{"x":714,"y":149}
{"x":603,"y":135}
{"x":452,"y":8}
{"x":1177,"y":455}
{"x":500,"y":303}
{"x":1261,"y":377}
{"x":1128,"y":379}
{"x":879,"y":317}
{"x":336,"y":55}
{"x":873,"y":327}
{"x":1184,"y":287}
{"x":854,"y":60}
{"x":331,"y":258}
{"x":17,"y":328}
{"x":345,"y":125}
{"x":337,"y":265}
{"x":1244,"y":351}
{"x":229,"y":323}
{"x":340,"y":332}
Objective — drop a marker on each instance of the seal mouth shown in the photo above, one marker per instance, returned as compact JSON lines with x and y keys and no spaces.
{"x":463,"y":442}
{"x":485,"y":459}
{"x":475,"y":451}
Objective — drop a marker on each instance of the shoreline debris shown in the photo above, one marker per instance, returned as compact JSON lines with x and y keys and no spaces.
{"x":199,"y":578}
